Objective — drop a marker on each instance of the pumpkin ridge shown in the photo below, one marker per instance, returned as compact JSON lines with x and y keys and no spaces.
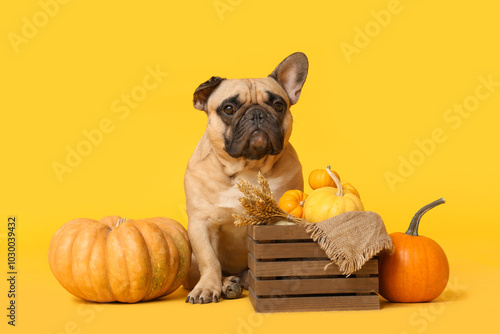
{"x":172,"y":222}
{"x":52,"y":251}
{"x":119,"y":237}
{"x":71,"y":257}
{"x":166,"y":287}
{"x":146,"y":295}
{"x":106,"y":262}
{"x":422,"y":245}
{"x":92,"y":287}
{"x":150,"y":280}
{"x":407,"y":259}
{"x":56,"y":249}
{"x":184,"y":261}
{"x":431,"y":250}
{"x":151,"y":264}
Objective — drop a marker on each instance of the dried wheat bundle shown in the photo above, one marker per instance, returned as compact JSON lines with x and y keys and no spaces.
{"x":260,"y":205}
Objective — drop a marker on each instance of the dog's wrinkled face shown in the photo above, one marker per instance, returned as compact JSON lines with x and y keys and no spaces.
{"x":250,"y":118}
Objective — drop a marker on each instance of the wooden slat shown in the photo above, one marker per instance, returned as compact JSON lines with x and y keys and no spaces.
{"x":319,"y":303}
{"x":277,"y":232}
{"x":285,"y":250}
{"x":303,"y":268}
{"x":312,"y":286}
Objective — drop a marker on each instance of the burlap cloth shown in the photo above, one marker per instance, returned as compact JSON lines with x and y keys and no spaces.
{"x":351,"y":238}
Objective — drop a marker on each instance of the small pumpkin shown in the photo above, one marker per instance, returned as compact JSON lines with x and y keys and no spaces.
{"x":418,"y":270}
{"x":320,"y":178}
{"x":292,"y":201}
{"x":327,"y":202}
{"x":118,"y":259}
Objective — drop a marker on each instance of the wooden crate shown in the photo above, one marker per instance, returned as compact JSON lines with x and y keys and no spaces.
{"x":286,"y":271}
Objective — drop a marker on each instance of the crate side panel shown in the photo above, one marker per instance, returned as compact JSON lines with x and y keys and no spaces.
{"x":319,"y":303}
{"x":303,"y":268}
{"x":277,"y":232}
{"x":313,"y":286}
{"x":285,"y":250}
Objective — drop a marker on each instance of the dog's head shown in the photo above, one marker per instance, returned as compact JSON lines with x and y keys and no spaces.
{"x":250,"y":118}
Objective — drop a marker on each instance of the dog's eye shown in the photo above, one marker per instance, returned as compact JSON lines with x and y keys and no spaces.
{"x":278,"y":106}
{"x":229,"y":109}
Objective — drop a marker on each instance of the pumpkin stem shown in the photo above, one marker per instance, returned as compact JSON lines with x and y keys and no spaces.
{"x":413,"y":229}
{"x":120,"y":221}
{"x":340,"y":191}
{"x":301,"y":203}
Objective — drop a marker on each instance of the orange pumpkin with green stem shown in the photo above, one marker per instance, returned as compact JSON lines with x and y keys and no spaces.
{"x":418,"y":270}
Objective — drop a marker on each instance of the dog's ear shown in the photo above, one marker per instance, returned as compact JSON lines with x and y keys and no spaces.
{"x":291,"y":74}
{"x":202,"y":93}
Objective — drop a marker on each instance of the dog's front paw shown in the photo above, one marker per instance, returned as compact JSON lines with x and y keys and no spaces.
{"x":231,"y":287}
{"x":205,"y":292}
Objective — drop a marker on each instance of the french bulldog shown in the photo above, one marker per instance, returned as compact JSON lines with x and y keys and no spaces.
{"x":248,"y":130}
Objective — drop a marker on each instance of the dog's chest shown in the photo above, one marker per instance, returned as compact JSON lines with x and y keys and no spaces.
{"x":227,"y":203}
{"x":228,"y":199}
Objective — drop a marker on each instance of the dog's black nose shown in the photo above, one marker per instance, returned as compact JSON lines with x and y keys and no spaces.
{"x":256,"y":115}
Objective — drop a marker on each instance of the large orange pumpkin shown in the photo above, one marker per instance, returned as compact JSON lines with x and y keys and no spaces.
{"x":418,"y":269}
{"x":118,"y":259}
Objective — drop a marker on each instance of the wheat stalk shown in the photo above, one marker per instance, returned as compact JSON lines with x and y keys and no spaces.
{"x":260,"y":205}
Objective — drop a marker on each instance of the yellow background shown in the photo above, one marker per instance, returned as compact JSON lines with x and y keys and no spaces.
{"x":361,"y":116}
